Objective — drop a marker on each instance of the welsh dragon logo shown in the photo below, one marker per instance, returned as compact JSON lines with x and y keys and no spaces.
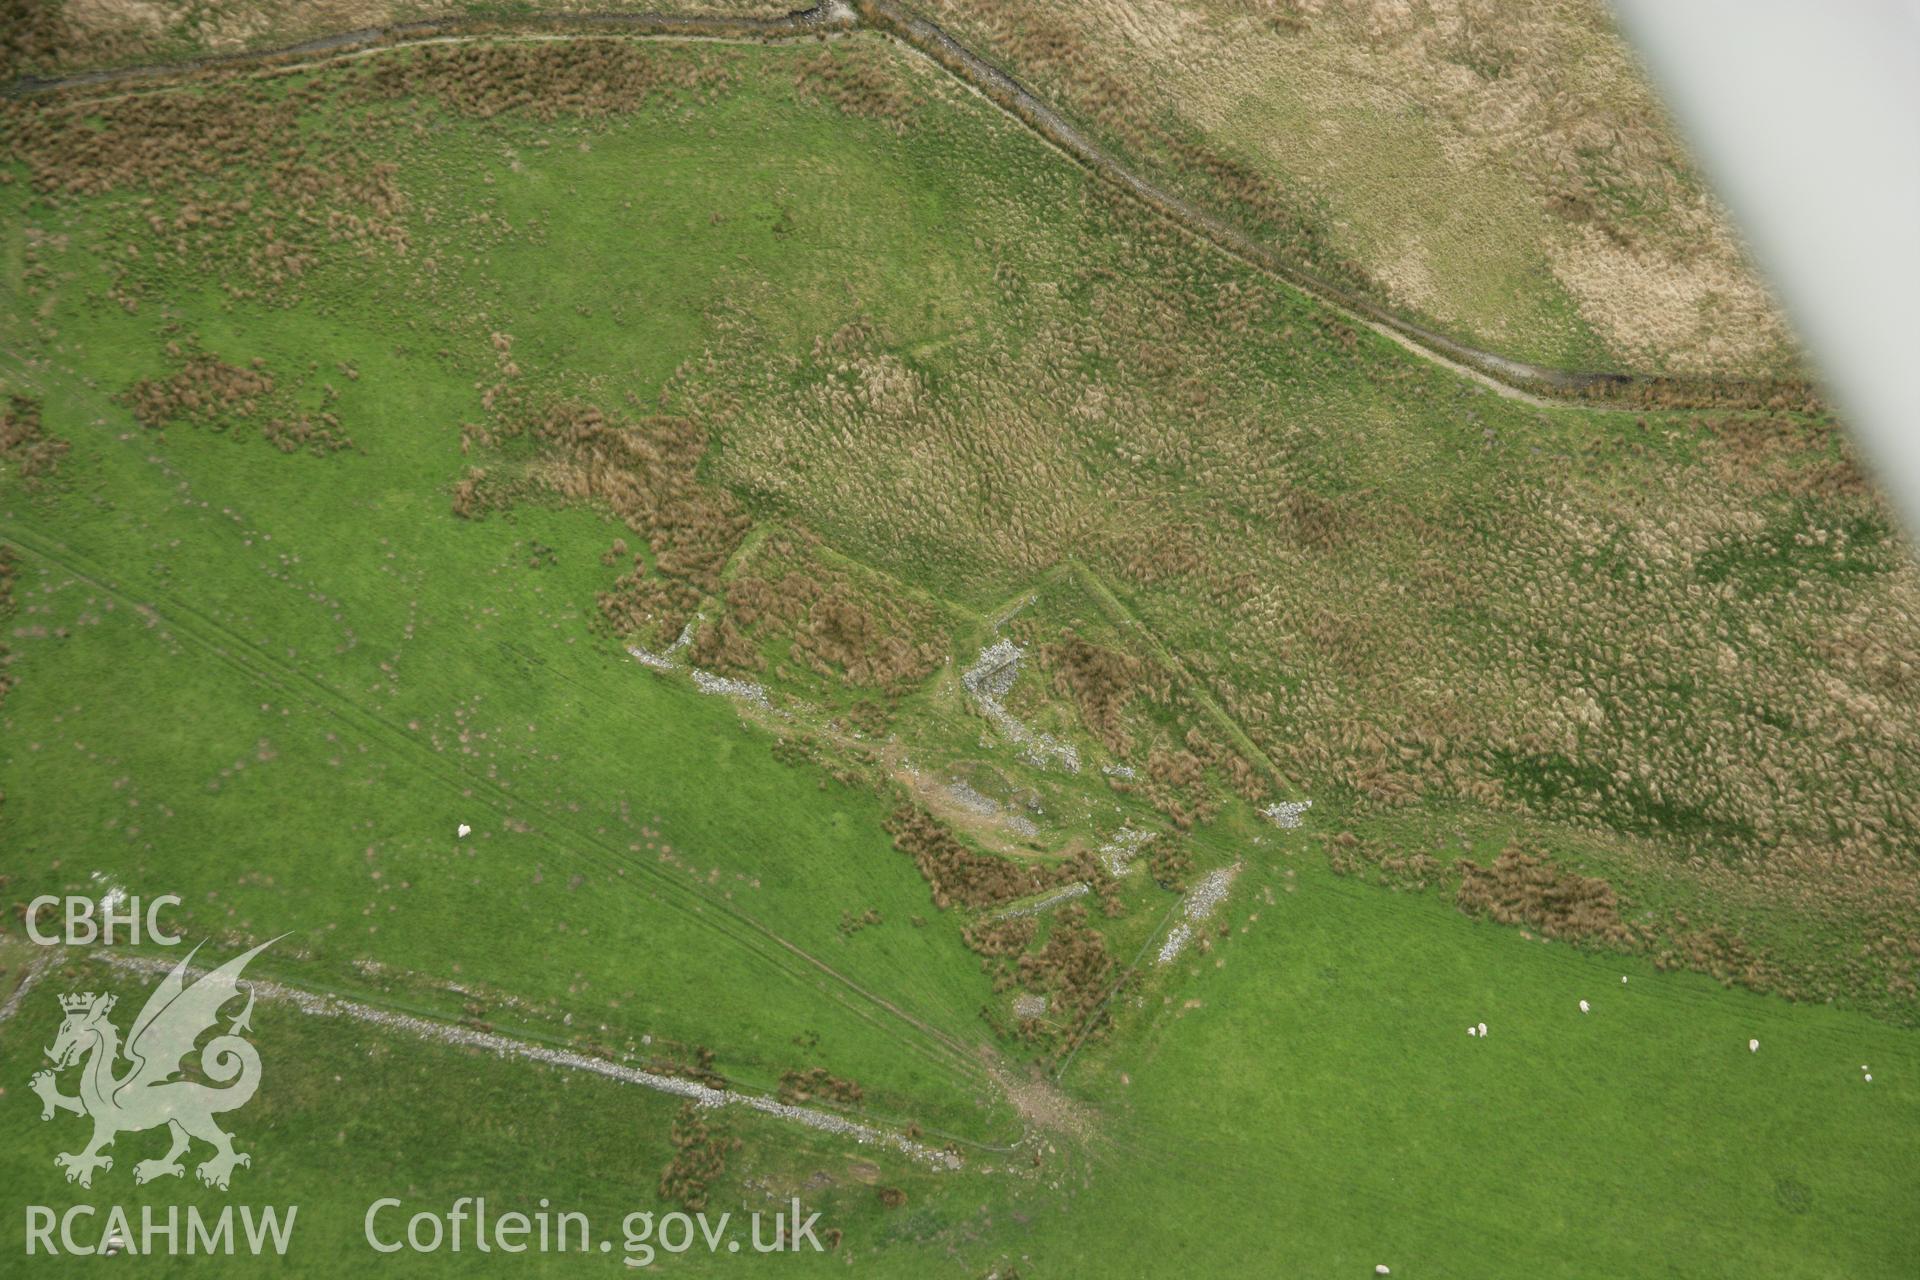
{"x":149,"y":1093}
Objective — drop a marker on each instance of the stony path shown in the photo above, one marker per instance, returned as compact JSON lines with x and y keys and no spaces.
{"x":451,"y":1033}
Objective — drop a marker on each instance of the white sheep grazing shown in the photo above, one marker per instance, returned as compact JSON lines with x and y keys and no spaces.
{"x":463,"y":831}
{"x":1473,"y":1031}
{"x":1483,"y":1028}
{"x":1753,"y":1046}
{"x":1623,"y":979}
{"x":1383,"y":1270}
{"x":1583,"y":1006}
{"x":1869,"y":1079}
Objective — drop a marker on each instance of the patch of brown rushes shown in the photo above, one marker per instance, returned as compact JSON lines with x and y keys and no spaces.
{"x":1101,"y":683}
{"x":588,"y":78}
{"x":699,"y":1158}
{"x":1074,"y":969}
{"x":1530,"y":891}
{"x":231,"y":179}
{"x":1072,"y":966}
{"x":208,"y":392}
{"x":643,"y":472}
{"x":24,"y":441}
{"x":817,"y":1083}
{"x":1169,"y":862}
{"x":860,"y":81}
{"x":225,"y":181}
{"x":9,"y":574}
{"x":1523,"y":888}
{"x":33,"y":34}
{"x":839,"y":626}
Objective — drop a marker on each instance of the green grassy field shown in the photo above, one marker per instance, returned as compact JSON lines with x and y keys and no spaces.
{"x":449,"y":1123}
{"x":1318,"y":1109}
{"x":938,"y":370}
{"x":629,"y":868}
{"x":1324,"y":1091}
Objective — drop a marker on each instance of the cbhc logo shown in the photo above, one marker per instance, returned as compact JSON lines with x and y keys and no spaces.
{"x":88,"y":921}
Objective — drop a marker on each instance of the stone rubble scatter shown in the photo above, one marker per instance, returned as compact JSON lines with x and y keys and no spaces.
{"x":1201,"y":902}
{"x":1065,"y":893}
{"x":972,"y":801}
{"x":988,"y":680}
{"x":659,"y":662}
{"x":1119,"y":853}
{"x":745,"y":690}
{"x":1288,"y":814}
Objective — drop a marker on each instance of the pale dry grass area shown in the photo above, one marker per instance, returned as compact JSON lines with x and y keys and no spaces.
{"x":122,"y":17}
{"x":1504,"y":170}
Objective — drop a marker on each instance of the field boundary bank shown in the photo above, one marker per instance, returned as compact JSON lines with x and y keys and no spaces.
{"x":1538,"y":384}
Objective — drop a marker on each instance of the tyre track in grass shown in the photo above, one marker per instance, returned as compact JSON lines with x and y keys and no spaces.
{"x":691,"y":902}
{"x":749,"y":934}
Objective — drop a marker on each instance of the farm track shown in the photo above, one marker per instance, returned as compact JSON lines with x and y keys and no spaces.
{"x":890,"y":1132}
{"x":735,"y":926}
{"x":1537,"y":385}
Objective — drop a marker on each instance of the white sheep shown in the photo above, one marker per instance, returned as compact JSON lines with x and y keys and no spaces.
{"x":1583,"y":1006}
{"x":463,"y":831}
{"x":1753,"y":1046}
{"x":1483,"y":1028}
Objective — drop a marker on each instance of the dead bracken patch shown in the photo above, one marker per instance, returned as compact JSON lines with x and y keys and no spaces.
{"x":805,"y":1086}
{"x":1102,"y":682}
{"x":1522,"y":888}
{"x":644,"y":473}
{"x":1075,"y":971}
{"x":9,"y":572}
{"x":590,"y":78}
{"x":699,"y":1158}
{"x":957,"y":874}
{"x":860,"y":81}
{"x":206,"y":391}
{"x":846,"y":626}
{"x":24,"y":441}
